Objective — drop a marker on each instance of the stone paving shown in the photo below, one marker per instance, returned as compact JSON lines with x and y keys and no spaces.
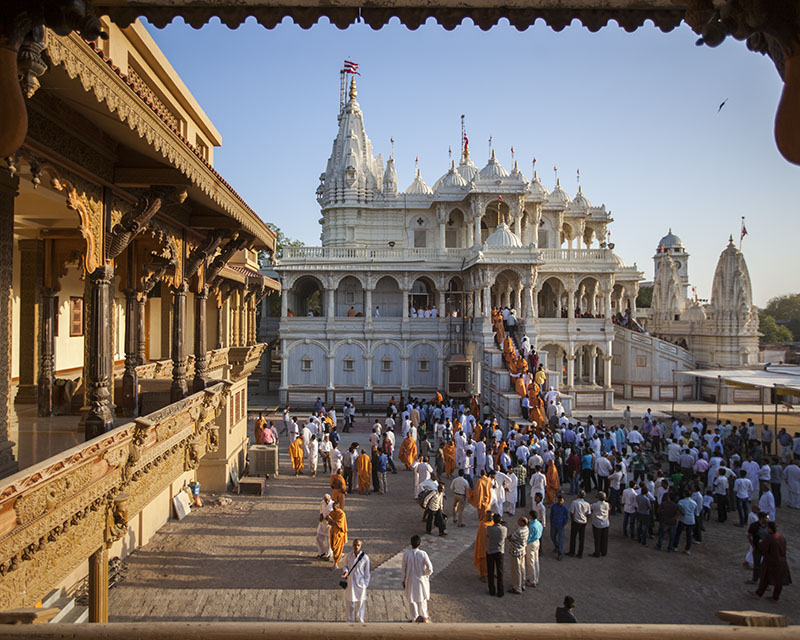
{"x":255,"y":559}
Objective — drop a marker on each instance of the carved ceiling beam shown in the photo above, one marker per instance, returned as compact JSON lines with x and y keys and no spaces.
{"x":202,"y":253}
{"x":236,"y":243}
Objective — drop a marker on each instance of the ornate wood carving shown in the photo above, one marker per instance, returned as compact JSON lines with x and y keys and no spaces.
{"x":132,"y":223}
{"x":233,"y":245}
{"x":65,"y":511}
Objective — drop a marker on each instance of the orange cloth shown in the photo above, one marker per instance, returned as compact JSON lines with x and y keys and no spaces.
{"x":481,"y":542}
{"x":296,"y":454}
{"x":408,"y":452}
{"x":364,"y":468}
{"x":351,"y":313}
{"x":477,"y":432}
{"x":339,"y":487}
{"x":474,"y":407}
{"x":553,"y":484}
{"x":481,"y":496}
{"x":338,"y":522}
{"x":519,"y":387}
{"x":437,"y":398}
{"x":449,"y":453}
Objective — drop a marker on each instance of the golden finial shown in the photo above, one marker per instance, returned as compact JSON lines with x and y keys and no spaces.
{"x":353,"y":92}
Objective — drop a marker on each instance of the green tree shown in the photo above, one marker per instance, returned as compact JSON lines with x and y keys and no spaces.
{"x":645,"y":298}
{"x":774,"y":333}
{"x":786,"y":311}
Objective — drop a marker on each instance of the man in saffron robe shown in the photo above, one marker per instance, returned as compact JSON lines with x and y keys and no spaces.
{"x":481,"y":496}
{"x":449,"y":453}
{"x":338,"y":522}
{"x":553,"y":486}
{"x":296,"y":455}
{"x":339,"y":487}
{"x":408,"y":451}
{"x":364,"y":468}
{"x":479,"y":557}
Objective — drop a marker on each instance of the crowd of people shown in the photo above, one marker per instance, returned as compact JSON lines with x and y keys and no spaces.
{"x":662,"y":480}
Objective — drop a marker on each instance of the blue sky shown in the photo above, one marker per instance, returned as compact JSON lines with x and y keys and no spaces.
{"x":636,"y":113}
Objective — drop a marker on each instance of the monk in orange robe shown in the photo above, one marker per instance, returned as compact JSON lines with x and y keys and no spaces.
{"x":296,"y":454}
{"x":519,"y":386}
{"x":477,"y":432}
{"x":553,"y":484}
{"x":474,"y":407}
{"x":364,"y":468}
{"x":449,"y":453}
{"x":339,"y":487}
{"x":437,"y":398}
{"x":338,"y":522}
{"x":481,"y":542}
{"x":481,"y":496}
{"x":408,"y":452}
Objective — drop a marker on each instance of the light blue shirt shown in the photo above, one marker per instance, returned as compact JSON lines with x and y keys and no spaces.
{"x":687,"y":508}
{"x":534,"y":531}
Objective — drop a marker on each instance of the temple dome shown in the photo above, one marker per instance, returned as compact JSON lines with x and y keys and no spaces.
{"x":558,"y":197}
{"x":418,"y":187}
{"x":580,"y":202}
{"x":671,"y":242}
{"x":450,"y":180}
{"x":467,"y":169}
{"x":493,"y":169}
{"x":536,"y":190}
{"x":694,"y":313}
{"x":503,"y":238}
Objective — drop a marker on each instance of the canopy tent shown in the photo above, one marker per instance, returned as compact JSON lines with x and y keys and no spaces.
{"x":783,"y":379}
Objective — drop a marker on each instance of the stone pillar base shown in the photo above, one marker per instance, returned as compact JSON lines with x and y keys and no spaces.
{"x":27,"y":394}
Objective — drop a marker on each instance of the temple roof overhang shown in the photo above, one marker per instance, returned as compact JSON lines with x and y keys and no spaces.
{"x":593,"y":14}
{"x":81,"y":73}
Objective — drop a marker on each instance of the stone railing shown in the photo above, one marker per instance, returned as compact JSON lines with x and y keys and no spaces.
{"x":398,"y":254}
{"x":162,"y":369}
{"x":576,"y":255}
{"x":55,"y":515}
{"x":244,"y":360}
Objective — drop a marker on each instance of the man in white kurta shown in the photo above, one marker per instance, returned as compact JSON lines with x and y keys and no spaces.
{"x":422,"y":472}
{"x":791,"y":476}
{"x":417,"y":569}
{"x":356,"y":572}
{"x":324,"y":529}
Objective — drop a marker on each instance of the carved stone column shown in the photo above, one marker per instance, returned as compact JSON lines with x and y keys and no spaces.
{"x":130,"y":381}
{"x":47,"y":352}
{"x":31,"y":263}
{"x":477,"y":232}
{"x":8,"y":191}
{"x":200,"y":376}
{"x":98,"y":585}
{"x":571,"y":304}
{"x":487,"y":302}
{"x":592,"y":365}
{"x":330,"y":308}
{"x":570,"y":371}
{"x":98,"y":366}
{"x":179,"y":388}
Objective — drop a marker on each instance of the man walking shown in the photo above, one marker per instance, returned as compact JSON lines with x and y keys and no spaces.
{"x":434,"y":508}
{"x":644,"y":509}
{"x":600,"y":525}
{"x":495,"y":550}
{"x":356,"y":573}
{"x":579,"y":512}
{"x":774,"y":568}
{"x":459,"y":487}
{"x":559,"y":517}
{"x":417,"y":569}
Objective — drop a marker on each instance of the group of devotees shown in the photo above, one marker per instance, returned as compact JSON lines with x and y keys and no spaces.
{"x":663,"y":478}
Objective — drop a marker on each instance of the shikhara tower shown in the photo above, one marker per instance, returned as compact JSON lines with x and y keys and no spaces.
{"x":476,"y":238}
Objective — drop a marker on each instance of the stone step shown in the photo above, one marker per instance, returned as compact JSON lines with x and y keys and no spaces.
{"x":66,"y":604}
{"x":76,"y":615}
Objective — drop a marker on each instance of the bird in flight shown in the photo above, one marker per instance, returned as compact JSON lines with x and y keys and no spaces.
{"x":722,"y":104}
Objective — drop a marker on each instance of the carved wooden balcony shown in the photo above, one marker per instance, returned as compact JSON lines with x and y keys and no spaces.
{"x":244,"y":360}
{"x":54,"y":515}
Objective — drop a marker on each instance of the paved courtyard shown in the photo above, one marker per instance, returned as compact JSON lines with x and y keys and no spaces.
{"x":255,"y":559}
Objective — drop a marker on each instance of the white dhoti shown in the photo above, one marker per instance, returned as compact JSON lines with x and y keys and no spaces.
{"x":791,"y":476}
{"x":324,"y":540}
{"x":416,"y":571}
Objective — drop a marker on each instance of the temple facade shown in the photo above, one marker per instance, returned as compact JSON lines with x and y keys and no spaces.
{"x":397,"y":299}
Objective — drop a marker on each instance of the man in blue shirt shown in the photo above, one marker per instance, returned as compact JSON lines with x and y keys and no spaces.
{"x":687,"y":508}
{"x":532,"y":551}
{"x":559,"y":517}
{"x":586,"y":470}
{"x":380,"y":464}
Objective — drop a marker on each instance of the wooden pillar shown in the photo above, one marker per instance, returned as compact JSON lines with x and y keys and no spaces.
{"x":47,"y":352}
{"x":130,"y":381}
{"x":31,"y":262}
{"x":220,"y":317}
{"x":200,"y":376}
{"x":98,"y":585}
{"x":179,"y":388}
{"x":98,"y":367}
{"x":8,"y":191}
{"x":141,"y":320}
